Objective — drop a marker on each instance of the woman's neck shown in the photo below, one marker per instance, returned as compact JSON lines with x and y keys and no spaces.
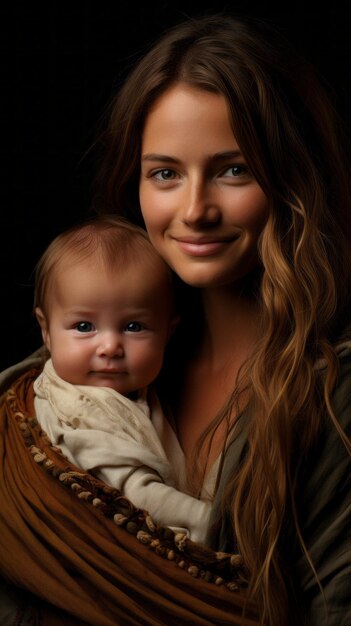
{"x":229,"y":337}
{"x":231,"y":326}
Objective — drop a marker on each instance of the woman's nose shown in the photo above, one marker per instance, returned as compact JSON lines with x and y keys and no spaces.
{"x":199,"y":205}
{"x":110,"y":345}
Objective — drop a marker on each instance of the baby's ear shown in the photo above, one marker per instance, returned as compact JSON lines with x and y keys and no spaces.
{"x":43,"y":325}
{"x":173,"y":325}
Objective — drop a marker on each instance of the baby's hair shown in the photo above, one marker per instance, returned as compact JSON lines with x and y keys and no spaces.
{"x":113,"y":240}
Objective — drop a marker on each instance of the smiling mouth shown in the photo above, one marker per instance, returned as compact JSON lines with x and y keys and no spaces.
{"x":203,"y":246}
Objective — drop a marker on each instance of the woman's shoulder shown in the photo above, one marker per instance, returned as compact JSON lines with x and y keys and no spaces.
{"x":10,"y":374}
{"x":343,"y":344}
{"x":342,"y":393}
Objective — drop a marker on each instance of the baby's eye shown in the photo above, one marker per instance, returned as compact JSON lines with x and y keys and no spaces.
{"x":134,"y":327}
{"x":84,"y":327}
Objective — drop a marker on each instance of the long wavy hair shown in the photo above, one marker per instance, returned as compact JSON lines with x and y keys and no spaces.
{"x":293,"y":141}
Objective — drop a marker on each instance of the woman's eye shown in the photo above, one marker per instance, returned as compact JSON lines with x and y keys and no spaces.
{"x":84,"y":327}
{"x":235,"y":171}
{"x":134,"y":327}
{"x":164,"y":175}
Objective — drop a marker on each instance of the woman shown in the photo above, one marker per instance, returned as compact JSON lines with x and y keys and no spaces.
{"x":244,"y":190}
{"x":225,"y":147}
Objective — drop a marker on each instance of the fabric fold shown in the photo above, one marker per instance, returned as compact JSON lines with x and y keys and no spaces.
{"x":84,"y":549}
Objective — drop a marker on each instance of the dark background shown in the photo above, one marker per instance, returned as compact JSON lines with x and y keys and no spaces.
{"x":62,"y":60}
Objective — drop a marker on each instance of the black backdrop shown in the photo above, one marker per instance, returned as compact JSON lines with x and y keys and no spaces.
{"x":62,"y":60}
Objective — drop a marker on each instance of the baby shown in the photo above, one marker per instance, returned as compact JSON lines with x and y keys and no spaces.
{"x":104,"y":301}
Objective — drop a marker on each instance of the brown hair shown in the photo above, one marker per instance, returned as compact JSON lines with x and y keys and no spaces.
{"x":114,"y":240}
{"x":293,"y":142}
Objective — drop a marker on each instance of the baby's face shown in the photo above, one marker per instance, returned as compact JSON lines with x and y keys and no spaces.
{"x":108,"y":328}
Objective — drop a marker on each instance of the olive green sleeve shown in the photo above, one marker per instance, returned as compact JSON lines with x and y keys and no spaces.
{"x":324,"y":503}
{"x":325,"y":509}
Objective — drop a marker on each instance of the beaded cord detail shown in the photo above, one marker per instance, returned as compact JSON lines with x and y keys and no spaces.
{"x":218,"y":568}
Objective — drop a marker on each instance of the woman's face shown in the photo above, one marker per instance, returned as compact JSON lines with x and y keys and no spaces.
{"x":202,"y":208}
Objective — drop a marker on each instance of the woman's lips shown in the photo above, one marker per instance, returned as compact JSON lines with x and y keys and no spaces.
{"x":203,"y":246}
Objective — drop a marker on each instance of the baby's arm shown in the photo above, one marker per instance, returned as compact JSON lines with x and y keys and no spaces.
{"x":117,"y":439}
{"x":147,"y":481}
{"x":166,"y":505}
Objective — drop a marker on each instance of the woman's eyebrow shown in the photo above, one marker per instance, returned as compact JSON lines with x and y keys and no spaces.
{"x":227,"y":154}
{"x":159,"y":157}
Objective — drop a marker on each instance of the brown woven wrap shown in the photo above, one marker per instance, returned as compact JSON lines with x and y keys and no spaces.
{"x":87,"y":553}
